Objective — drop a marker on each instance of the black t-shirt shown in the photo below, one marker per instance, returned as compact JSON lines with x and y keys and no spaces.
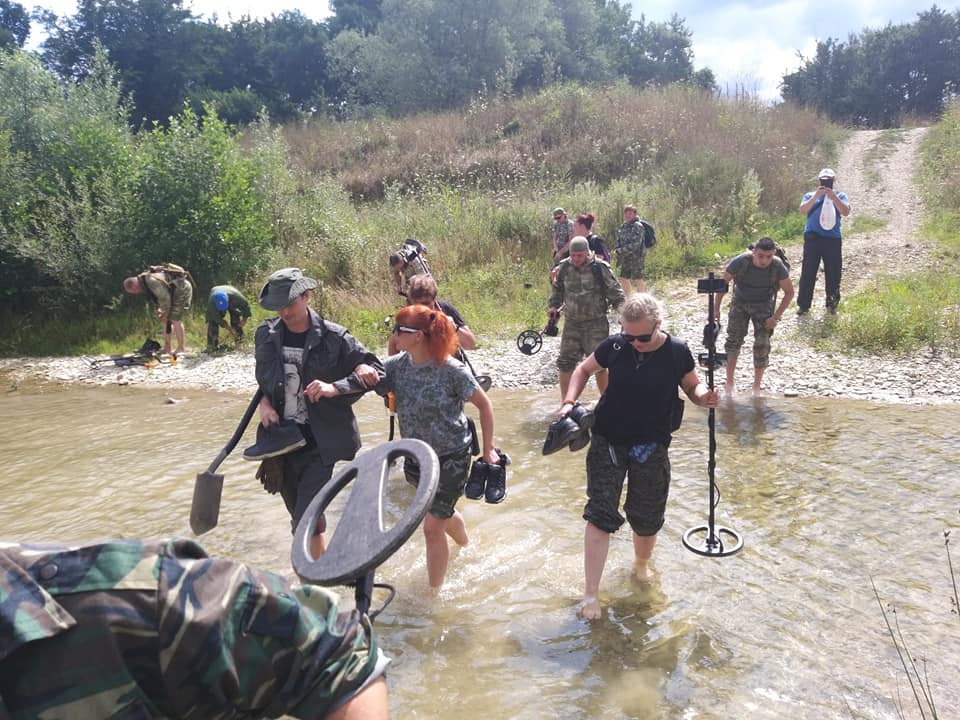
{"x":451,"y":312}
{"x":636,"y":406}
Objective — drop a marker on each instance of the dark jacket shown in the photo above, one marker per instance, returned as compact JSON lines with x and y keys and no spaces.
{"x":330,"y":354}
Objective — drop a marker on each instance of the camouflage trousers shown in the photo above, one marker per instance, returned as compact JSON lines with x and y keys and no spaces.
{"x":740,"y":316}
{"x":579,"y":339}
{"x":631,"y":260}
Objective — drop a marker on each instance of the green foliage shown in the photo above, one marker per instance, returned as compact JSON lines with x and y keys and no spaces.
{"x":879,"y":76}
{"x":904,"y":313}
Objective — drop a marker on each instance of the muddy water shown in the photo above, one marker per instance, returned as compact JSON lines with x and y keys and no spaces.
{"x":826,"y":494}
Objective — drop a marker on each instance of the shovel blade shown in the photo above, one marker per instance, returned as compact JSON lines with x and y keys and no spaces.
{"x":205,"y":510}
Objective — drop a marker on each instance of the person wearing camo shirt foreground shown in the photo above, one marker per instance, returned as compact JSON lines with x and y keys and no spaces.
{"x":157,"y":629}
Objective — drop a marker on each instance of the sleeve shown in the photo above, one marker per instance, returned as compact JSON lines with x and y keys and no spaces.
{"x":264,"y":355}
{"x":244,"y":307}
{"x":733,"y":267}
{"x":451,"y":312}
{"x":602,"y":353}
{"x":353,"y":353}
{"x":464,"y":383}
{"x":556,"y":294}
{"x":615,"y":294}
{"x":683,"y":358}
{"x":389,"y":380}
{"x":243,"y":642}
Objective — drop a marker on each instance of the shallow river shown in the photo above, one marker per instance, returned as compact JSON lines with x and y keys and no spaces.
{"x":826,"y":494}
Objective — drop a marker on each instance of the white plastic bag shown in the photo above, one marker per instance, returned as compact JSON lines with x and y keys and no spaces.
{"x":828,"y":214}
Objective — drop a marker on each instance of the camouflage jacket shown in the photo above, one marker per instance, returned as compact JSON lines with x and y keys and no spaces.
{"x":585,"y":292}
{"x":563,"y":232}
{"x":630,"y":233}
{"x":132,"y":629}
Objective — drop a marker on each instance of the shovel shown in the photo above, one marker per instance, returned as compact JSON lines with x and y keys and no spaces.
{"x":209,"y":486}
{"x":484,"y":381}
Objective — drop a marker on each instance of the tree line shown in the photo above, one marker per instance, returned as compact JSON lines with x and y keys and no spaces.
{"x":370,"y":57}
{"x":880,"y":76}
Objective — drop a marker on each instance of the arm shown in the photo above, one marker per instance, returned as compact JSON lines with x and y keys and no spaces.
{"x":615,"y":294}
{"x":578,"y":381}
{"x":556,"y":295}
{"x":718,"y":297}
{"x":842,"y":207}
{"x":787,"y":286}
{"x":370,"y":704}
{"x":483,"y":404}
{"x":806,"y":207}
{"x":698,"y":392}
{"x":468,"y":341}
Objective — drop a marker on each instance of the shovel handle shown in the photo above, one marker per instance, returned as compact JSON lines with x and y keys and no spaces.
{"x":238,"y":433}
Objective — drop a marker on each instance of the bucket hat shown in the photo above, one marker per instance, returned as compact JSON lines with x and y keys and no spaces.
{"x":285,"y":286}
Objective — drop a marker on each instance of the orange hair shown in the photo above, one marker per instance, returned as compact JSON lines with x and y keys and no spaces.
{"x":437,"y":328}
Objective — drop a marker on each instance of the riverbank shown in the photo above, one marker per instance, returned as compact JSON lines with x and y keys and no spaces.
{"x":798,"y":366}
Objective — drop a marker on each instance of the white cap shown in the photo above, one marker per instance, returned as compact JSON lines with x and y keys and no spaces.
{"x":826,"y":174}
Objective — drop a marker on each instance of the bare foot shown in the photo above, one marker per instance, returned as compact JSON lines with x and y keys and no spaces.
{"x":757,"y":391}
{"x":590,"y":608}
{"x":643,"y":572}
{"x":729,"y":389}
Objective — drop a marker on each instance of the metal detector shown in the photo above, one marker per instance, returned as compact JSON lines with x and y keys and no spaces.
{"x":361,"y":540}
{"x":530,"y":342}
{"x":708,"y":540}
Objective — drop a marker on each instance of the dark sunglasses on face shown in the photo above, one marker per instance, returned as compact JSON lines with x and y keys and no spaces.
{"x":637,"y":338}
{"x":397,"y":329}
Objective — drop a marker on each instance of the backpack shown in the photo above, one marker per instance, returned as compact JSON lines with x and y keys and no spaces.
{"x":677,"y":405}
{"x":774,"y":281}
{"x":649,"y":234}
{"x":171,"y":270}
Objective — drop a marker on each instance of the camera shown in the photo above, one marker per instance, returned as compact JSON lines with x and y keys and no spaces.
{"x":826,"y":182}
{"x":550,"y":329}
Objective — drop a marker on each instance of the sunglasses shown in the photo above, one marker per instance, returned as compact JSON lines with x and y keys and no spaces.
{"x":397,"y":329}
{"x":637,"y":338}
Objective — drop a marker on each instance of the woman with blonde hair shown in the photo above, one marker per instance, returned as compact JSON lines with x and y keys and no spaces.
{"x":430,"y":389}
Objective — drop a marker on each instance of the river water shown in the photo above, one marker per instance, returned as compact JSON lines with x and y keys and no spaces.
{"x":827,"y":495}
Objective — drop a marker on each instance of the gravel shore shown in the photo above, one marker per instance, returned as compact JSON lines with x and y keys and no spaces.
{"x":797,"y":367}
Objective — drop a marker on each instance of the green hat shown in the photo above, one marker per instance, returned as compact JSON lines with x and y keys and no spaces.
{"x":285,"y":286}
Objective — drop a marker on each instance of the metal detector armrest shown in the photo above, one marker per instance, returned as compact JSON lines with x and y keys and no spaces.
{"x":719,"y":360}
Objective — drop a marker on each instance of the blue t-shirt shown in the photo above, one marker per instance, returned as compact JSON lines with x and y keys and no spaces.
{"x":813,"y":217}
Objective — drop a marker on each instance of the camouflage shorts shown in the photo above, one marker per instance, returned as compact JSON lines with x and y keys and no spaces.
{"x":739,"y":317}
{"x":648,"y":485}
{"x":182,"y":295}
{"x":631,"y":261}
{"x":454,"y":469}
{"x":579,"y":340}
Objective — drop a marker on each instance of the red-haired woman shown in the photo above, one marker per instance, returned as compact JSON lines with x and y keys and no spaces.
{"x":431,"y":389}
{"x":583,"y":225}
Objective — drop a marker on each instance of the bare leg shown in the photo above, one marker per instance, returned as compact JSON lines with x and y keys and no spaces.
{"x":641,"y":285}
{"x":564,"y":383}
{"x":642,"y":552}
{"x":757,"y":380}
{"x":729,"y":388}
{"x":457,"y":529}
{"x":596,"y":543}
{"x":167,"y":338}
{"x":438,"y":552}
{"x":603,"y":378}
{"x":178,"y":331}
{"x":625,"y":284}
{"x":318,"y":546}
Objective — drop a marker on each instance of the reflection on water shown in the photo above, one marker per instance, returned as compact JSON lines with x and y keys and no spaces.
{"x":825,"y":493}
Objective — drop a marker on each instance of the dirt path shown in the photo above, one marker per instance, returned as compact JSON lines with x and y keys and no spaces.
{"x":880,"y":187}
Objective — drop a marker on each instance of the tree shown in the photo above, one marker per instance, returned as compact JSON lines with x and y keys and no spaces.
{"x":14,"y":25}
{"x":362,"y":16}
{"x":144,"y":39}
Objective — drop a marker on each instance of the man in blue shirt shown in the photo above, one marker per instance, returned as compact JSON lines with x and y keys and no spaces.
{"x":821,"y":239}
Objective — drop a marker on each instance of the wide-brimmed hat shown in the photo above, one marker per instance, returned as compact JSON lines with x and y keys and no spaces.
{"x":285,"y":286}
{"x":826,"y":174}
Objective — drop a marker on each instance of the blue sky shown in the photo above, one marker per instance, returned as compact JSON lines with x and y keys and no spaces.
{"x":748,"y":44}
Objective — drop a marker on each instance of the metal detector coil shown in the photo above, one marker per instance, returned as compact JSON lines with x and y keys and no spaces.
{"x":708,"y":540}
{"x":529,"y":342}
{"x":361,"y":541}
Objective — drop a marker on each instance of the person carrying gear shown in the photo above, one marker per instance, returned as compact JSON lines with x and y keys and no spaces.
{"x":410,"y":260}
{"x":169,"y":287}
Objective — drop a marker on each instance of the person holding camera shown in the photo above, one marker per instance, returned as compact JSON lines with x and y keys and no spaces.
{"x":584,"y":286}
{"x":824,"y":208}
{"x":757,"y":276}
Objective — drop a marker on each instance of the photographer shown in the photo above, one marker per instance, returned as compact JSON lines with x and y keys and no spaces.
{"x":824,"y":208}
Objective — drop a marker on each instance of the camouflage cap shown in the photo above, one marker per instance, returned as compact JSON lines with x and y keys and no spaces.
{"x":579,"y":244}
